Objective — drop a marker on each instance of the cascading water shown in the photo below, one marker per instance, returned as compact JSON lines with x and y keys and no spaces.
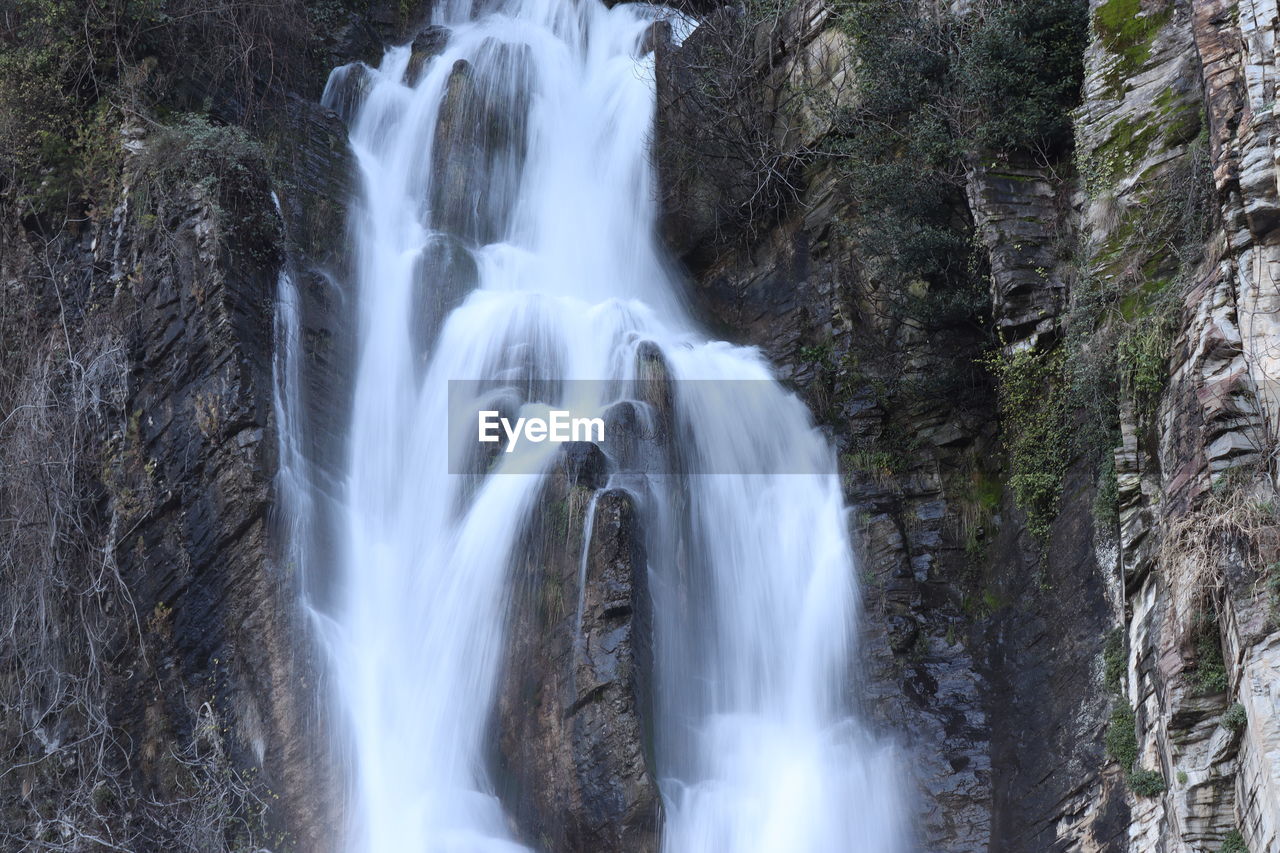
{"x":504,"y":233}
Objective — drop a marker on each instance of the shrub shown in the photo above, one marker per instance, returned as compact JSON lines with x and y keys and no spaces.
{"x":1233,"y":843}
{"x":1020,"y":69}
{"x":1210,"y":673}
{"x":1147,"y":783}
{"x":69,"y":69}
{"x":1121,"y":739}
{"x":1235,"y":717}
{"x":1114,"y":663}
{"x":1034,"y":420}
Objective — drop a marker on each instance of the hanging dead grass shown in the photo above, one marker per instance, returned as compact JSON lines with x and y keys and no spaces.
{"x":1239,"y":520}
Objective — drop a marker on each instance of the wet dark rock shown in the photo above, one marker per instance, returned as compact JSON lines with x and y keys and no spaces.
{"x":623,"y":425}
{"x":429,"y":43}
{"x":569,"y":736}
{"x":658,"y":34}
{"x":348,"y":87}
{"x":444,"y":273}
{"x":479,"y":148}
{"x":653,"y":387}
{"x":611,"y":666}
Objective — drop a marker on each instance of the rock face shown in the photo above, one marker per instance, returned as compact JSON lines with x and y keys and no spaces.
{"x":181,"y":478}
{"x":195,"y":679}
{"x":1111,"y":685}
{"x":571,"y":705}
{"x":987,"y":648}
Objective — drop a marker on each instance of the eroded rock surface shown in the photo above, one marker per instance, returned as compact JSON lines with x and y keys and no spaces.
{"x":571,"y":706}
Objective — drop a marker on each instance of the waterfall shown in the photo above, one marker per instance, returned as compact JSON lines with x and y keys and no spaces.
{"x":504,"y":235}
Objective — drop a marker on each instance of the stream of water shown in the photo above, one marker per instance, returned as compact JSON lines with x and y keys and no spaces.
{"x":505,"y":232}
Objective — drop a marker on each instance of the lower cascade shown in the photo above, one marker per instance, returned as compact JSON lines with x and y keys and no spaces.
{"x":637,"y":643}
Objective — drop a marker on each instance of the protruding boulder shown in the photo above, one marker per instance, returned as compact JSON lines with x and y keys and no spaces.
{"x":623,"y":427}
{"x":429,"y":43}
{"x":444,"y":273}
{"x":480,"y":143}
{"x":347,"y":88}
{"x":653,"y":386}
{"x":569,"y":732}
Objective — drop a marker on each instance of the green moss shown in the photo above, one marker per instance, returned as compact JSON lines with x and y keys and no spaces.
{"x":1127,"y":32}
{"x":1235,"y":717}
{"x":1127,"y":144}
{"x":1180,"y":115}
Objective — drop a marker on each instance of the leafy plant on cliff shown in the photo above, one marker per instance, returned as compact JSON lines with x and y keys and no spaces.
{"x":1147,"y":783}
{"x":71,"y":70}
{"x":1121,"y":742}
{"x":1210,"y":673}
{"x":934,"y":90}
{"x":899,"y":155}
{"x":1020,"y":66}
{"x":1036,"y":426}
{"x":1121,"y":739}
{"x":1235,"y":717}
{"x":1233,"y":843}
{"x":223,"y":166}
{"x":1114,"y":661}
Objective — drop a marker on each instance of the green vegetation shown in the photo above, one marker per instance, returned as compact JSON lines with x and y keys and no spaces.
{"x":978,"y":501}
{"x":1235,"y":717}
{"x":1121,"y":739}
{"x":1106,"y":498}
{"x":1020,"y":69}
{"x":1037,"y":431}
{"x":1210,"y":672}
{"x":1126,"y":305}
{"x":1114,"y":662}
{"x":1233,"y":843}
{"x":1121,"y":742}
{"x":71,"y":70}
{"x":934,"y":89}
{"x":221,"y":163}
{"x":1147,"y":783}
{"x":1127,"y":32}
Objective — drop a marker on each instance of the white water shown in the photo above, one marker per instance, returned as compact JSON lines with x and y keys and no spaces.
{"x":752,"y":576}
